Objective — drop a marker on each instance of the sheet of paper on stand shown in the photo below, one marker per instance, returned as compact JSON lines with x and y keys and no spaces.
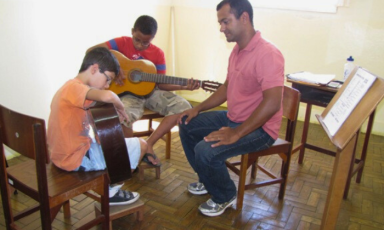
{"x":348,"y":100}
{"x":307,"y":77}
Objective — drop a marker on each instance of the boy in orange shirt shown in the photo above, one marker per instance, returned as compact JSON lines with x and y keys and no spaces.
{"x":69,"y":141}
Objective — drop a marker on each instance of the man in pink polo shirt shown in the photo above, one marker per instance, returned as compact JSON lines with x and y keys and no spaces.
{"x":253,"y":91}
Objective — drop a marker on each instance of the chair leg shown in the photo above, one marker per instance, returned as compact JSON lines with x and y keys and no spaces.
{"x":150,"y":124}
{"x":6,"y":202}
{"x":105,"y":203}
{"x":242,"y":177}
{"x":157,"y":170}
{"x":168,"y":146}
{"x":284,"y":175}
{"x":254,"y":169}
{"x":67,"y":209}
{"x":140,"y":215}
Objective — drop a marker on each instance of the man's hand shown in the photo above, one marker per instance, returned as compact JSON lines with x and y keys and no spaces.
{"x":190,"y":113}
{"x":223,"y":136}
{"x":192,"y":85}
{"x":119,"y":78}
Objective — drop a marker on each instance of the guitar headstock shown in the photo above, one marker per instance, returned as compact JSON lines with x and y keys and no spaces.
{"x":210,"y":86}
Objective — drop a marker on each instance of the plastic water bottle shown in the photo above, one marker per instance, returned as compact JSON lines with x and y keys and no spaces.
{"x":348,"y":67}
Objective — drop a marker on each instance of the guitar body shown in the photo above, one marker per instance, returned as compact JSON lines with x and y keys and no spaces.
{"x":106,"y":125}
{"x":130,"y":86}
{"x":141,"y":78}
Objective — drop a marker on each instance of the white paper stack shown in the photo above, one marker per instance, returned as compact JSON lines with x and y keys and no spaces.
{"x":320,"y":79}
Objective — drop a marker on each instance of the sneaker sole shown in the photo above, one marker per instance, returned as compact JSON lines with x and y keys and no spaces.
{"x":124,"y":203}
{"x":198,"y":192}
{"x":221,"y":212}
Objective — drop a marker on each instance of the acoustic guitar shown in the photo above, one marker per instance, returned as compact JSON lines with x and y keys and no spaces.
{"x":141,"y":78}
{"x":106,"y":125}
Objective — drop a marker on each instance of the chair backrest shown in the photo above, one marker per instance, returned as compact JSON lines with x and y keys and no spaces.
{"x":291,"y":102}
{"x":18,"y":133}
{"x":25,"y":135}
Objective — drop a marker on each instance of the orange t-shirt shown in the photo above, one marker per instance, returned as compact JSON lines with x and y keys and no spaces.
{"x":68,"y":125}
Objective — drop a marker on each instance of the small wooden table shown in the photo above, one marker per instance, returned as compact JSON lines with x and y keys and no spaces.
{"x":119,"y":211}
{"x":321,"y":96}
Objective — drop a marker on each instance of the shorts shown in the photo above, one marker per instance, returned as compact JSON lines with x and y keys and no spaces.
{"x":163,"y":102}
{"x":94,"y":160}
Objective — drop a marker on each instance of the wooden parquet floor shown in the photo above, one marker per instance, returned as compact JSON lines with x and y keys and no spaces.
{"x":168,"y":205}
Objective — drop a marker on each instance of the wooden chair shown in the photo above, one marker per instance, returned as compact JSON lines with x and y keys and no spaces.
{"x":116,"y":212}
{"x":50,"y":186}
{"x":150,"y":116}
{"x":282,"y":147}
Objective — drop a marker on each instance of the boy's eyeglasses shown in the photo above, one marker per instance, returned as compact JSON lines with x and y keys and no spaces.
{"x":109,"y":80}
{"x":144,"y":44}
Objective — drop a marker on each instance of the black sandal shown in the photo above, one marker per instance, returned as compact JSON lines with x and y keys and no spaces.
{"x":146,"y":160}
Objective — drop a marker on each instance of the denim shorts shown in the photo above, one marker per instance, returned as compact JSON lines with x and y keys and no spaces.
{"x":94,"y":158}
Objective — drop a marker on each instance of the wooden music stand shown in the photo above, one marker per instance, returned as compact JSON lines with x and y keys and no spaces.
{"x":345,"y":139}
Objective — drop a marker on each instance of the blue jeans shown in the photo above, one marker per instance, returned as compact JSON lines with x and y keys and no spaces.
{"x":208,"y":162}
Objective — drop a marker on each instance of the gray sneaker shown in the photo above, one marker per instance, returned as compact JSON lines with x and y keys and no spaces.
{"x":211,"y":208}
{"x":197,"y":188}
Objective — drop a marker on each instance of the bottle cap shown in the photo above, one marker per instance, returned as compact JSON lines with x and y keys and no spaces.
{"x":350,"y":58}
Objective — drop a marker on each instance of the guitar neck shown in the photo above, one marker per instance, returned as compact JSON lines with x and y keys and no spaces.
{"x":164,"y":79}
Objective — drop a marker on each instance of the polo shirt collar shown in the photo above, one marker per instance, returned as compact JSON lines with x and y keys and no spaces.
{"x":252,"y":43}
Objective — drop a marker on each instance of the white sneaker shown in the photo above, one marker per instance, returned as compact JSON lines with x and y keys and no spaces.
{"x":210,"y":208}
{"x":197,"y":188}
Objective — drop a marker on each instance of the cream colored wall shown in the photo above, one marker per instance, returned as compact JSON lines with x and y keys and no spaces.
{"x":43,"y":42}
{"x":315,"y":42}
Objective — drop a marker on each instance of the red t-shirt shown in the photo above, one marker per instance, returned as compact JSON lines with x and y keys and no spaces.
{"x":153,"y":53}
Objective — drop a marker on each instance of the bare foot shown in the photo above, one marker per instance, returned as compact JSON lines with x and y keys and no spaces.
{"x":152,"y":159}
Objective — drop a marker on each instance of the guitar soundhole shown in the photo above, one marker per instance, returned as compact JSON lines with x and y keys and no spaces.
{"x":135,"y":76}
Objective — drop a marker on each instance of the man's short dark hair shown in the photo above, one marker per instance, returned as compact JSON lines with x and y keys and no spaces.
{"x":146,"y":25}
{"x":238,"y":7}
{"x":104,"y":58}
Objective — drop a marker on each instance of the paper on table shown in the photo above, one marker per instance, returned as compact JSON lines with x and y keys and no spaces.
{"x":348,"y":100}
{"x":321,"y":79}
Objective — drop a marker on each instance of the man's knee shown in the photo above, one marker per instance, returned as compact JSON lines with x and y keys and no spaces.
{"x":182,"y":125}
{"x":203,"y":153}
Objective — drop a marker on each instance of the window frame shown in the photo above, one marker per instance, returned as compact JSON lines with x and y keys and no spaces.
{"x":321,"y":6}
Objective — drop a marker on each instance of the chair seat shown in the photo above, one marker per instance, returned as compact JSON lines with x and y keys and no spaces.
{"x":281,"y":147}
{"x":150,"y":114}
{"x":59,"y":181}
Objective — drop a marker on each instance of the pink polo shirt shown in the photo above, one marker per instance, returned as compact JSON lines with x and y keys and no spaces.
{"x":258,"y":67}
